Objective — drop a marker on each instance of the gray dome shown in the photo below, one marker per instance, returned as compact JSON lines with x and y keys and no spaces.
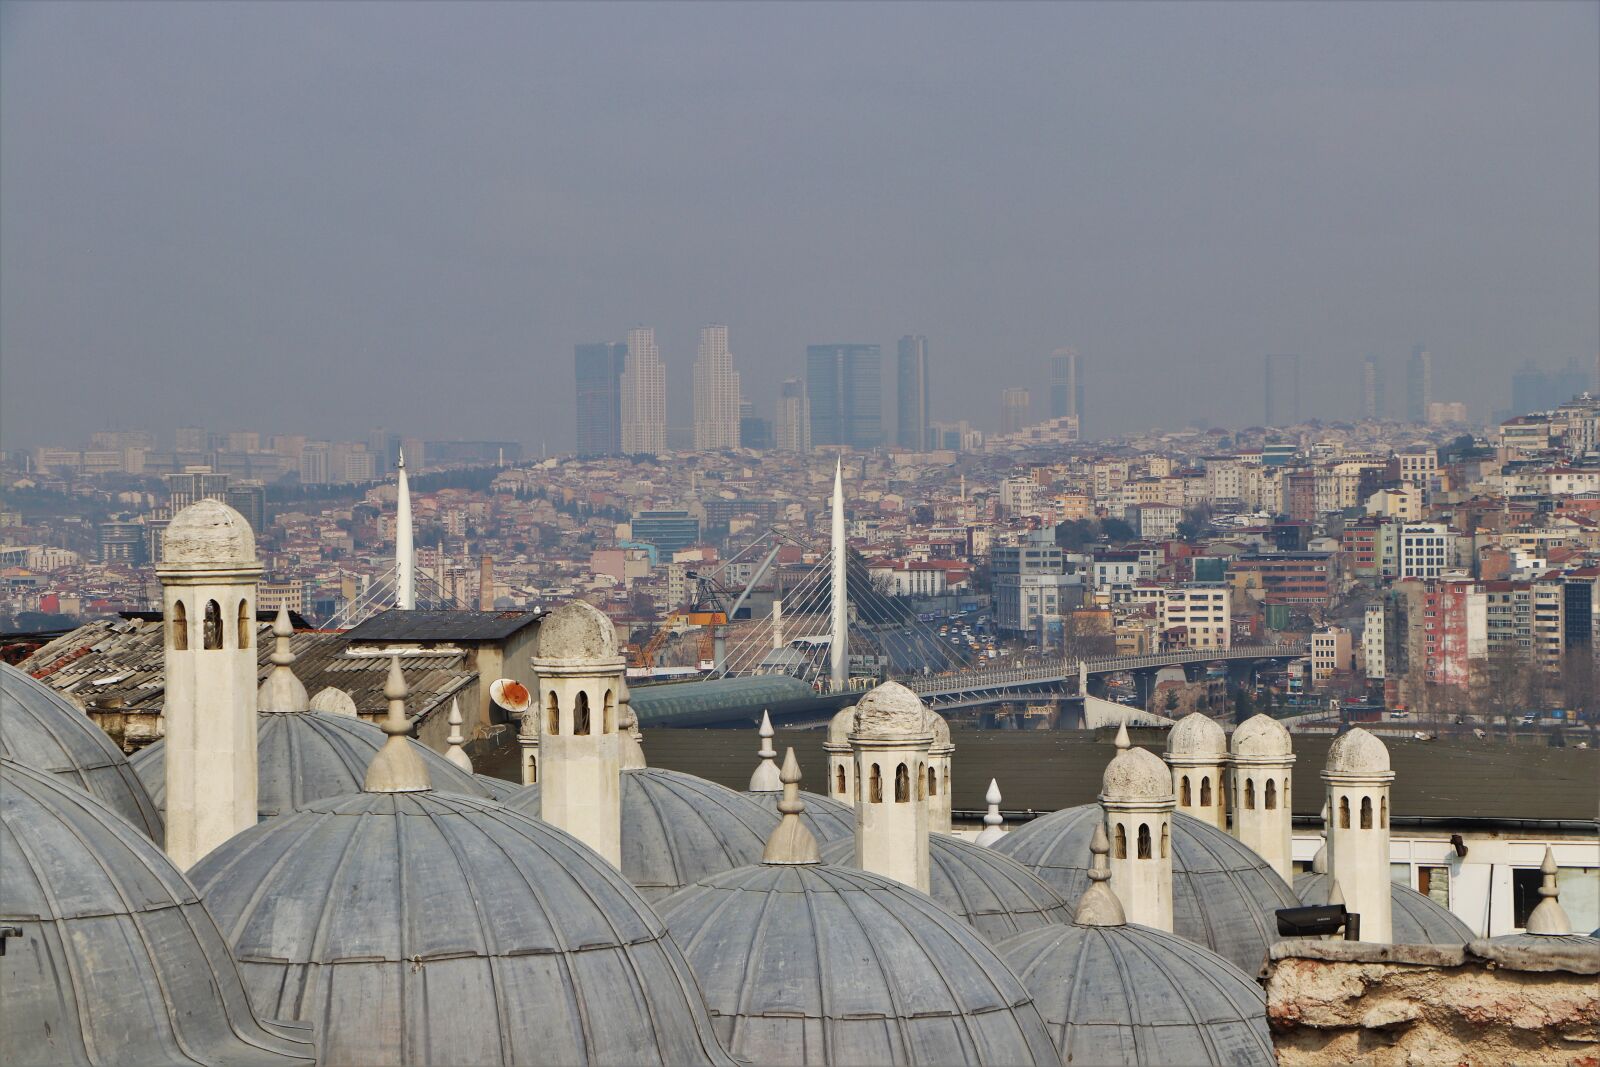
{"x":579,"y":632}
{"x":307,"y":756}
{"x":118,"y":961}
{"x":1416,"y":919}
{"x":995,"y":894}
{"x":497,"y":788}
{"x":810,"y":963}
{"x":676,"y":828}
{"x":426,"y":927}
{"x":827,"y":819}
{"x":41,"y":729}
{"x":1135,"y":995}
{"x":1223,"y":894}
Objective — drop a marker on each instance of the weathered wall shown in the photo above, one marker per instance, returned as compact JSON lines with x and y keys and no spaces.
{"x":1334,"y":1002}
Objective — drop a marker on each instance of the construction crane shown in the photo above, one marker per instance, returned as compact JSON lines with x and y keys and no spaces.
{"x":707,"y":614}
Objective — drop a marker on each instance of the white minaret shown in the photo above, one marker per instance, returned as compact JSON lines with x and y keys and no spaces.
{"x":1358,"y":776}
{"x":1262,"y":760}
{"x":841,"y":758}
{"x":208,"y":576}
{"x":891,"y":740}
{"x":1136,"y":794}
{"x":405,"y":553}
{"x":580,"y":678}
{"x":839,"y":645}
{"x":1197,"y":752}
{"x":938,"y":776}
{"x":992,"y":819}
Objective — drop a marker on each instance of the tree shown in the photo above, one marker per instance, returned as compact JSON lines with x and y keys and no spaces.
{"x":1172,"y":700}
{"x":1243,"y":706}
{"x":1506,"y":683}
{"x":1118,"y":531}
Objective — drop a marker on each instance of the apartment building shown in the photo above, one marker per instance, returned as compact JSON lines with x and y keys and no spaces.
{"x":1196,"y":616}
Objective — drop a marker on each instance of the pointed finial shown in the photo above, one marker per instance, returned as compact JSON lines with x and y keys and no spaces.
{"x":1099,"y":906}
{"x":766,"y":778}
{"x":1122,"y":742}
{"x":282,"y":693}
{"x":1549,"y":917}
{"x":1335,"y":894}
{"x":791,"y":842}
{"x":993,"y":820}
{"x":401,"y":463}
{"x":397,"y":768}
{"x":456,"y":753}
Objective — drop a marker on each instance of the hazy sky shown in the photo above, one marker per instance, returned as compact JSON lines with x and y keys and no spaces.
{"x":321,"y":218}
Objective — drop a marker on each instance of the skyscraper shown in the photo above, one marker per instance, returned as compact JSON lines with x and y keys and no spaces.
{"x":1282,"y":381}
{"x":911,"y":393}
{"x":644,"y":395}
{"x":716,"y":392}
{"x":845,"y":386}
{"x":1419,"y":384}
{"x":1015,"y":404}
{"x":792,"y":427}
{"x":599,"y":366}
{"x":1371,"y":389}
{"x":1066,"y":384}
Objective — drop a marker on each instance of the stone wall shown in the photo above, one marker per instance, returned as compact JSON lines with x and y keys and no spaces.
{"x":1489,"y":1002}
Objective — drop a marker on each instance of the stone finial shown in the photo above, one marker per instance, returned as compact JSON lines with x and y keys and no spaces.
{"x":397,"y":768}
{"x":1335,"y":894}
{"x":992,"y":820}
{"x":1319,"y":862}
{"x":791,"y":842}
{"x":1548,"y":916}
{"x":282,"y":692}
{"x":1099,"y":906}
{"x":1122,"y":742}
{"x":456,"y":753}
{"x":767,"y":778}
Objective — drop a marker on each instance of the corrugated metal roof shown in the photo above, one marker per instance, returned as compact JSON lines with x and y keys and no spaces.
{"x":722,"y":700}
{"x":398,"y":625}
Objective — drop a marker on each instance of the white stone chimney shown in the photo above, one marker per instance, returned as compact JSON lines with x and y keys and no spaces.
{"x":580,"y":679}
{"x":1263,"y":760}
{"x":890,"y":739}
{"x":1136,"y":795}
{"x":939,"y":755}
{"x":208,"y":576}
{"x":1197,"y":752}
{"x":841,"y":758}
{"x":1358,"y":776}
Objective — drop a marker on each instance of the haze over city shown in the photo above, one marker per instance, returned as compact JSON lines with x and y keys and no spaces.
{"x":303,"y":218}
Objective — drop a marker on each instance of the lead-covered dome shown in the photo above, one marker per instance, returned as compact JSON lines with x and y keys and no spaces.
{"x":676,"y":828}
{"x":43,"y":730}
{"x":308,"y":756}
{"x":425,"y":927}
{"x":1137,"y":995}
{"x":118,"y":961}
{"x":1223,"y":894}
{"x":1416,"y":920}
{"x":208,"y":533}
{"x":806,"y":963}
{"x":1197,"y":736}
{"x":577,"y":631}
{"x":840,"y":726}
{"x":996,"y":895}
{"x":827,"y":819}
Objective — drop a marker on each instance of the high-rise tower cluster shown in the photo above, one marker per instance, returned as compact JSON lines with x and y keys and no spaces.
{"x":716,"y":392}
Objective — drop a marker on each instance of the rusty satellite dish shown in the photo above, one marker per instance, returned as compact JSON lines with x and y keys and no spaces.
{"x":510,"y":694}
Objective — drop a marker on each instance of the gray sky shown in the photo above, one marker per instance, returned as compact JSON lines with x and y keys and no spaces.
{"x":319,"y":218}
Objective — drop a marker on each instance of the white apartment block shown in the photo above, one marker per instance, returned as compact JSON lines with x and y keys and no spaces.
{"x":1425,"y":550}
{"x":1203,"y":610}
{"x":1372,"y":646}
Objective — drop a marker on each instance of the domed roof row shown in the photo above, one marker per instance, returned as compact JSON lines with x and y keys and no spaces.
{"x":117,"y":961}
{"x":1199,"y":736}
{"x":43,"y":730}
{"x":1224,"y":896}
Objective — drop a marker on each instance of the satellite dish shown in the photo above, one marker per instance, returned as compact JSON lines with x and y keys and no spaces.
{"x":510,"y":694}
